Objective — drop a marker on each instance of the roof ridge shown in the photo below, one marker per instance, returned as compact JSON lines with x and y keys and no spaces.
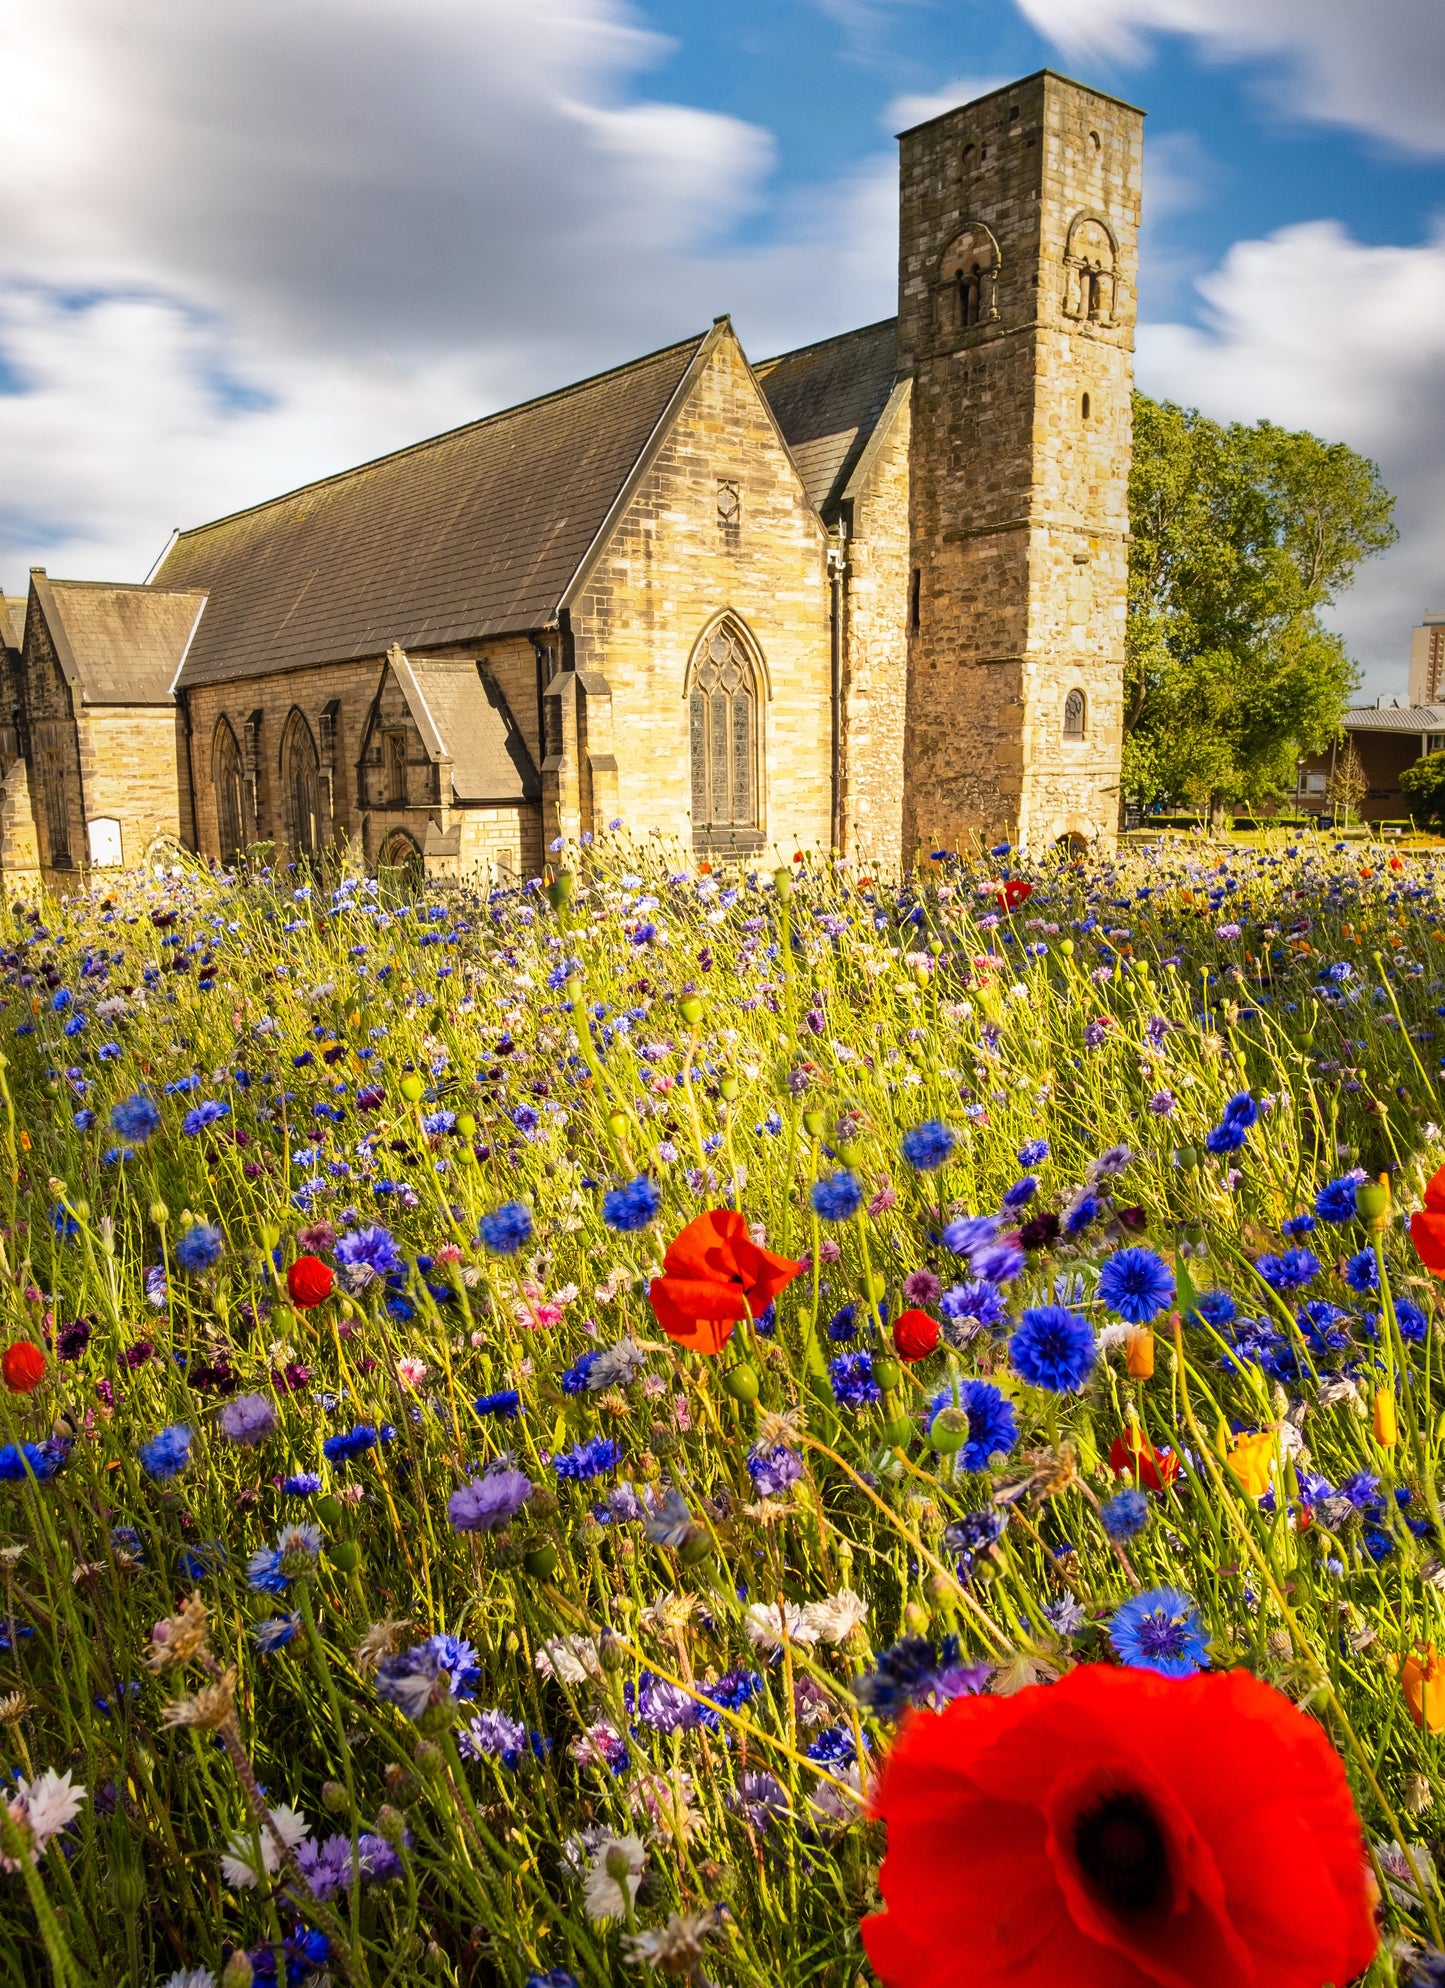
{"x":125,"y":587}
{"x":446,"y":435}
{"x":834,"y":338}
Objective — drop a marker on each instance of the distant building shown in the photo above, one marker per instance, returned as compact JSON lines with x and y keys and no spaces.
{"x":1386,"y":738}
{"x":1427,"y":659}
{"x":867,"y":595}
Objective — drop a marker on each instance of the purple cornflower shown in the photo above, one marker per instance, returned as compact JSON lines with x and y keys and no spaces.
{"x":773,"y":1470}
{"x":372,"y":1249}
{"x":493,"y":1735}
{"x":921,"y":1287}
{"x":490,"y":1501}
{"x":247,"y":1420}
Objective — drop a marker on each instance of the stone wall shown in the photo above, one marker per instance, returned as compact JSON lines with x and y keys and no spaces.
{"x":130,"y":760}
{"x":670,"y":568}
{"x":875,"y":646}
{"x":54,"y":753}
{"x":1017,"y":302}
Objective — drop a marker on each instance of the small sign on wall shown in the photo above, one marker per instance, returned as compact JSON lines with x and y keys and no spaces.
{"x":104,"y":843}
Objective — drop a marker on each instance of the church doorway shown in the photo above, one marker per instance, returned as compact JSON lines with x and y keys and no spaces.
{"x":399,"y":865}
{"x":301,"y":786}
{"x":725,"y":741}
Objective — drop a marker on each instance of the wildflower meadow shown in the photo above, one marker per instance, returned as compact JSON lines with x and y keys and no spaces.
{"x":759,"y":1427}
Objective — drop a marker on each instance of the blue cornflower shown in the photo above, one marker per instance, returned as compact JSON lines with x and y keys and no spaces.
{"x":928,"y":1146}
{"x":1126,"y":1513}
{"x":1053,"y":1348}
{"x":1226,"y":1137}
{"x":1020,"y":1194}
{"x":458,"y":1661}
{"x":1032,"y":1152}
{"x":166,"y":1454}
{"x":1160,"y":1630}
{"x":574,"y":1379}
{"x":490,"y":1501}
{"x":967,"y":1233}
{"x":434,"y":1123}
{"x":1000,"y":1261}
{"x":372,"y":1249}
{"x":1298,"y":1225}
{"x":914,"y":1671}
{"x":1290,"y":1270}
{"x":1336,"y":1201}
{"x":1241,"y":1110}
{"x":204,"y":1116}
{"x":354,"y":1442}
{"x":588,"y":1459}
{"x":1412,"y":1322}
{"x":305,"y":1484}
{"x":992,"y":1424}
{"x":851,"y":1376}
{"x":60,"y":1000}
{"x":1136,"y":1284}
{"x":980,"y":1302}
{"x":506,"y":1403}
{"x":1084,"y":1211}
{"x":837,"y":1196}
{"x":1362,"y":1273}
{"x":633,"y":1206}
{"x":275,"y":1632}
{"x":135,"y":1118}
{"x":412,"y":1680}
{"x":83,"y":1119}
{"x":1217,"y":1308}
{"x":773,"y":1470}
{"x":505,"y":1231}
{"x":199,"y":1247}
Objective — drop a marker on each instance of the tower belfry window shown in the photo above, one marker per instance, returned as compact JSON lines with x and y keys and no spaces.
{"x":968,"y":280}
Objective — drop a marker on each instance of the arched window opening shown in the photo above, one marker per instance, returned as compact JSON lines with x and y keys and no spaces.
{"x":968,"y":279}
{"x":725,"y":742}
{"x":1089,"y":271}
{"x":226,"y":782}
{"x":301,"y":786}
{"x":1075,"y":714}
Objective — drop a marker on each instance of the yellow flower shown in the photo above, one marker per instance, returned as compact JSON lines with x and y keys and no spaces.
{"x":1387,"y":1429}
{"x":1250,"y":1461}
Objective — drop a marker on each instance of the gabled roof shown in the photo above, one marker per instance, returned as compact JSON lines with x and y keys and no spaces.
{"x":475,"y":533}
{"x":12,"y":621}
{"x":1395,"y":718}
{"x":828,"y":399}
{"x":118,"y":644}
{"x":463,"y":717}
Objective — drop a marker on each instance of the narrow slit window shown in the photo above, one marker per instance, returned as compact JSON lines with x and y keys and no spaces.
{"x":915,"y":588}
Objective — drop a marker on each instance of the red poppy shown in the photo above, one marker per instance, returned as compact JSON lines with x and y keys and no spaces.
{"x":1151,"y":1469}
{"x":22,"y":1366}
{"x":1120,"y":1830}
{"x":915,"y":1335}
{"x":1427,"y":1228}
{"x":1014,"y":893}
{"x":309,"y":1281}
{"x":713,"y":1275}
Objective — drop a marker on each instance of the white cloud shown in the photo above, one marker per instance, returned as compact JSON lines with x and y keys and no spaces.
{"x":1374,"y":68}
{"x":1313,"y":329}
{"x":918,"y":106}
{"x":243,"y":246}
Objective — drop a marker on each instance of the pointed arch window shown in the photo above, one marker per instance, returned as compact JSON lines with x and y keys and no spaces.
{"x":1076,"y":713}
{"x":301,"y":788}
{"x":226,"y":781}
{"x":725,"y":741}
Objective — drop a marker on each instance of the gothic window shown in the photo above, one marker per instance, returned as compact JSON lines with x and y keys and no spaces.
{"x":226,"y":783}
{"x":1089,"y":271}
{"x":729,"y":506}
{"x":725,"y":742}
{"x":396,"y":769}
{"x":1075,"y":713}
{"x":301,"y":788}
{"x":968,"y":280}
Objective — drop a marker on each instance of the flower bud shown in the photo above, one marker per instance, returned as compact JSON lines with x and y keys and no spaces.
{"x":617,"y":1864}
{"x":541,"y":1561}
{"x":1372,"y":1202}
{"x":430,"y":1760}
{"x":1387,"y":1428}
{"x":618,"y":1124}
{"x":391,"y":1823}
{"x":559,"y":891}
{"x":160,"y":1215}
{"x":783,"y":884}
{"x":741,"y":1382}
{"x":727,"y":1088}
{"x":466,"y":1124}
{"x":814,"y":1124}
{"x":237,"y":1973}
{"x":916,"y":1618}
{"x":411,"y":1088}
{"x":690,"y":1008}
{"x":333,"y":1797}
{"x":1139,"y":1352}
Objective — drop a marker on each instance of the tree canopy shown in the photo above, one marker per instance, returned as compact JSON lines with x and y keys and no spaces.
{"x":1241,"y":536}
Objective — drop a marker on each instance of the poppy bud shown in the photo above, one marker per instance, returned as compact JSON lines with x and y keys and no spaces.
{"x":466,"y":1124}
{"x":1387,"y":1429}
{"x":1139,"y":1352}
{"x":330,"y":1511}
{"x":727,"y":1088}
{"x":238,"y":1972}
{"x":814,"y":1124}
{"x":343,"y":1556}
{"x":898,"y":1433}
{"x":696,"y":1545}
{"x":411,"y":1088}
{"x":541,"y":1562}
{"x":22,"y":1366}
{"x":916,"y":1618}
{"x":1186,"y":1158}
{"x":741,"y":1382}
{"x":915,"y":1335}
{"x":1066,"y":947}
{"x":309,"y":1281}
{"x":887,"y":1373}
{"x":1372,"y":1202}
{"x":690,"y":1008}
{"x":617,"y":1123}
{"x":559,"y":891}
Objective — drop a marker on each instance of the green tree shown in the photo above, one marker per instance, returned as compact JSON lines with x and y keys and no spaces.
{"x":1240,"y":537}
{"x":1424,"y":787}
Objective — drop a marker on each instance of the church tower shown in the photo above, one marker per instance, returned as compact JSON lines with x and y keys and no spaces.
{"x":1017,"y":270}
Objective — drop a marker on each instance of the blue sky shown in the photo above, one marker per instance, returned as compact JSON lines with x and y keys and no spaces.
{"x":243,"y":247}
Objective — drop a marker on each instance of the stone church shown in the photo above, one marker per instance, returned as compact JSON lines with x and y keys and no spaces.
{"x":864,"y":596}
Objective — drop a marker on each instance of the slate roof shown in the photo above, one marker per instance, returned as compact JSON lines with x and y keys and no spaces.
{"x":474,"y":533}
{"x":118,"y":644}
{"x":1396,"y":718}
{"x":12,"y":621}
{"x":828,"y":399}
{"x":462,"y":716}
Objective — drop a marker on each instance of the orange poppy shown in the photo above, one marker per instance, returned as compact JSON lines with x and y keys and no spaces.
{"x":1422,"y":1679}
{"x":713,"y":1275}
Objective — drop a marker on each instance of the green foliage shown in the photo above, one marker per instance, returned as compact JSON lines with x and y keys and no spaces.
{"x":1423,"y":785}
{"x":1241,"y":537}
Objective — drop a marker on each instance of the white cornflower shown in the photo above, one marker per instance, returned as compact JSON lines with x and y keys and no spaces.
{"x":191,"y":1977}
{"x":569,"y":1659}
{"x":676,"y":1947}
{"x":238,"y":1865}
{"x":770,"y":1623}
{"x":613,"y":1877}
{"x":49,"y":1803}
{"x":835,"y":1617}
